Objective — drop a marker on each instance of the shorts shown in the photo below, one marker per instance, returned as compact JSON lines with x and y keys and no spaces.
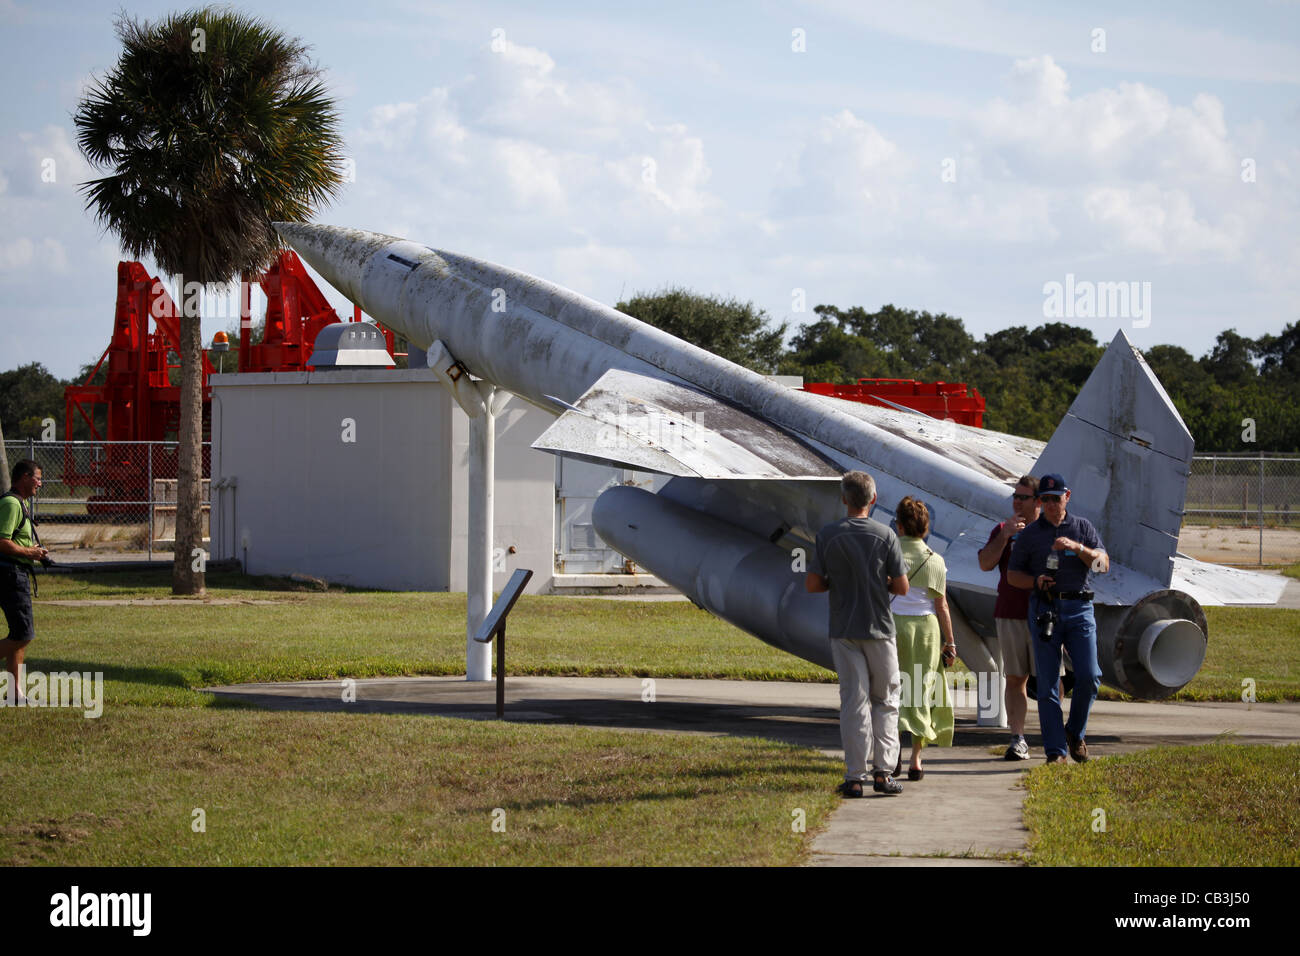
{"x":1017,"y":646}
{"x":16,"y":599}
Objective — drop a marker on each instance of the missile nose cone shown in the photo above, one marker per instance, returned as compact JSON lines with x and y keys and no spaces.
{"x":338,"y":254}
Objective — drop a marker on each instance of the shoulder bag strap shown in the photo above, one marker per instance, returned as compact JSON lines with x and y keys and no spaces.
{"x":928,"y":555}
{"x":22,"y":511}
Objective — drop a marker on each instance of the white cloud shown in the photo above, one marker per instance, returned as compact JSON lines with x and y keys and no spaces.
{"x":35,"y":164}
{"x":519,"y":152}
{"x":17,"y":254}
{"x":1123,"y":131}
{"x":27,"y":255}
{"x":586,"y":266}
{"x":1161,"y":221}
{"x":846,"y":166}
{"x":1120,"y":182}
{"x":1121,"y":168}
{"x":532,"y":174}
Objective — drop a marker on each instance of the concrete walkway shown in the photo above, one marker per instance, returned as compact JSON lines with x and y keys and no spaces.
{"x":966,"y":810}
{"x":1291,"y":596}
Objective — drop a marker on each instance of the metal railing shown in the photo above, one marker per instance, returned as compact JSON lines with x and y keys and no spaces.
{"x":107,"y":496}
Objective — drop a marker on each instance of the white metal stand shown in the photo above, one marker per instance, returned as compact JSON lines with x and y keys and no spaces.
{"x":482,"y":402}
{"x":985,"y":660}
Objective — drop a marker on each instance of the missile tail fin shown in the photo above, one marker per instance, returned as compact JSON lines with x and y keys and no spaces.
{"x":1126,"y":455}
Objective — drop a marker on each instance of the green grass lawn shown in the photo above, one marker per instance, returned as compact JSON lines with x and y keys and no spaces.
{"x":1214,"y":805}
{"x":158,"y":655}
{"x":280,"y":788}
{"x":305,"y":787}
{"x":317,"y":788}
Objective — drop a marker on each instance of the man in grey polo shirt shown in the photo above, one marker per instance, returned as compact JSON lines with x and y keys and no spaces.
{"x":860,"y":562}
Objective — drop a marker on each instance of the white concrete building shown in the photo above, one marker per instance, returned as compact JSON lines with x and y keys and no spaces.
{"x":359,"y":477}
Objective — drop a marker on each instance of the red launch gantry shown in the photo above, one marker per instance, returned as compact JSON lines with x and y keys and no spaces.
{"x":139,"y":402}
{"x":296,"y":311}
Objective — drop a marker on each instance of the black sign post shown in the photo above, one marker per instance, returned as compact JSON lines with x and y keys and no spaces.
{"x":494,"y":625}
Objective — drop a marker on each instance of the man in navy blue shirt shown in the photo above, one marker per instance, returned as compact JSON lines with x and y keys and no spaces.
{"x":1054,"y":556}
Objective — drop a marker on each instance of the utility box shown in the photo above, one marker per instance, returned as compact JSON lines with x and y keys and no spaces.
{"x":350,"y":345}
{"x":163,"y":519}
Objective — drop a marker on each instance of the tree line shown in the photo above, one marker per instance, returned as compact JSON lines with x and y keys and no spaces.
{"x":1028,"y":376}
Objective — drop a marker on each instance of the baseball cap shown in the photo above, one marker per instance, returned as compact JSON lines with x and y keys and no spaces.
{"x":1052,"y":484}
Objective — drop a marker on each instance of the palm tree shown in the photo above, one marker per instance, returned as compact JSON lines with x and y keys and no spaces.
{"x":211,"y":126}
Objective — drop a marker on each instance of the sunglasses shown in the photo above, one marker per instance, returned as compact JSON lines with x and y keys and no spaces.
{"x":1022,"y":497}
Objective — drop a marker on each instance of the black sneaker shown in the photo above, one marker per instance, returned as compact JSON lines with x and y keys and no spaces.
{"x":886,"y":784}
{"x":1019,"y":750}
{"x":850,"y":788}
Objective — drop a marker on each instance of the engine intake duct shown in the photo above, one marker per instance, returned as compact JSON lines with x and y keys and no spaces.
{"x":740,"y":576}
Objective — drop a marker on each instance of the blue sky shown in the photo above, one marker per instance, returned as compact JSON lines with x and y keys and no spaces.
{"x":947,"y":156}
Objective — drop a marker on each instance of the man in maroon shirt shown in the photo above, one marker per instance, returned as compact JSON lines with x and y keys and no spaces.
{"x":1011,"y":613}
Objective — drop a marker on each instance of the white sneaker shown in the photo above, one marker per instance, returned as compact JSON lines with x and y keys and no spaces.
{"x":1019,"y":750}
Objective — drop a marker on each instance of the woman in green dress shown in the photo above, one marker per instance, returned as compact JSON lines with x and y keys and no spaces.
{"x":924,"y":629}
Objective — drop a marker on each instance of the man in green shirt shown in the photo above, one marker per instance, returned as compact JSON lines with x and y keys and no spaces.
{"x":18,"y":553}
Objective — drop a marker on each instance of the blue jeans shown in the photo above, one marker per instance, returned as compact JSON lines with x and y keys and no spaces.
{"x":1077,"y":631}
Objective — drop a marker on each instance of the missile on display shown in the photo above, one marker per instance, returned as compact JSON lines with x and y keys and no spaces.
{"x":754,"y":465}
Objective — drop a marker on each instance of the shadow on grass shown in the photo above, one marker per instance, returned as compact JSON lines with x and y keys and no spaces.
{"x":803,"y":726}
{"x":154,"y":676}
{"x":139,"y":676}
{"x":724,"y":780}
{"x":160,"y":579}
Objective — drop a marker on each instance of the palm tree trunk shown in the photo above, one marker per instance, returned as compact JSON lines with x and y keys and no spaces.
{"x":189,"y":519}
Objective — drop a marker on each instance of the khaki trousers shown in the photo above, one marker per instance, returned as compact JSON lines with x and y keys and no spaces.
{"x":868,"y":672}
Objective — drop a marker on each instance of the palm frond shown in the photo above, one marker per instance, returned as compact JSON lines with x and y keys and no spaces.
{"x":203,"y":149}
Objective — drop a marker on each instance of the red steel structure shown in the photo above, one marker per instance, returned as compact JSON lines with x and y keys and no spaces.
{"x":140,"y":403}
{"x":138,"y":400}
{"x":296,"y":311}
{"x":955,"y":400}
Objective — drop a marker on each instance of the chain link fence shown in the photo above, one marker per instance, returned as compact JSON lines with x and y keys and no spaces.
{"x":107,"y":500}
{"x":1250,"y":491}
{"x":1252,"y":504}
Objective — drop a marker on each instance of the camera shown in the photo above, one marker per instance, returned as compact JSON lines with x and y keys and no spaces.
{"x":1046,"y":623}
{"x":47,"y":562}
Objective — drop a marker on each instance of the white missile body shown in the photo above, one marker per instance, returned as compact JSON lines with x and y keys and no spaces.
{"x":756,"y":464}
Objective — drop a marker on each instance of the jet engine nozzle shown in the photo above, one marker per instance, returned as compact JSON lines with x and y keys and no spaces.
{"x":1154,"y":647}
